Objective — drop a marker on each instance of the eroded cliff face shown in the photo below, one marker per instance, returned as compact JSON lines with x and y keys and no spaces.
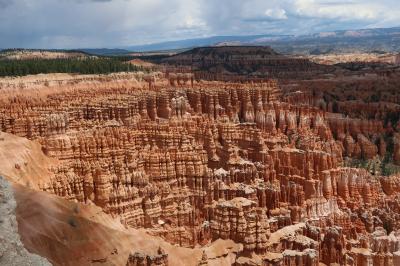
{"x":194,"y":163}
{"x":363,"y":112}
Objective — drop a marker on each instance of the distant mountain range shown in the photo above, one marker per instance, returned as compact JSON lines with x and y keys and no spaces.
{"x":366,"y":40}
{"x":105,"y":51}
{"x":200,"y":42}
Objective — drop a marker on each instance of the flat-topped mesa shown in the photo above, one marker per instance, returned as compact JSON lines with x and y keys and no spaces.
{"x":242,"y":63}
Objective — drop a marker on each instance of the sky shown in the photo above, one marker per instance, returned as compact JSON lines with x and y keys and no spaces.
{"x":67,"y":24}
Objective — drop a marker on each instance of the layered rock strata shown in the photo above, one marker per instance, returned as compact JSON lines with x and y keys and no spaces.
{"x":197,"y":163}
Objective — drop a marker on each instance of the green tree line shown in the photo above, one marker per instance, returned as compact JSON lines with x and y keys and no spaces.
{"x":81,"y":66}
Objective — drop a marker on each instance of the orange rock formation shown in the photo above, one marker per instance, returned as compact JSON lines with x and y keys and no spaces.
{"x":194,"y":163}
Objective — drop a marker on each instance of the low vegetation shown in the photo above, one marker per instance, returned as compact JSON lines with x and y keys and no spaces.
{"x":377,"y":166}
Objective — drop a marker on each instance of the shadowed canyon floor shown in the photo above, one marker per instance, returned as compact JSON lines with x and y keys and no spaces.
{"x":167,"y":169}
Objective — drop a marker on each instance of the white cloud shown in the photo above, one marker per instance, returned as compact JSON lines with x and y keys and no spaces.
{"x":340,"y":9}
{"x":192,"y":23}
{"x":116,"y":23}
{"x":276,"y":13}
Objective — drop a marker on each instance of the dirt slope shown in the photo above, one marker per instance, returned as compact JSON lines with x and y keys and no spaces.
{"x":68,"y":233}
{"x":23,"y":161}
{"x":12,"y":251}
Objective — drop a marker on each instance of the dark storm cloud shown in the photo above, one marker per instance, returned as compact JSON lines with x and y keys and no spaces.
{"x":118,"y":23}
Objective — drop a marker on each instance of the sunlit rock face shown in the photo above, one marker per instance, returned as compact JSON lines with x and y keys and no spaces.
{"x":193,"y":162}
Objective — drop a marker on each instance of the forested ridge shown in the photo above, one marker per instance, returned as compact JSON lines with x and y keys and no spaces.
{"x":72,"y":65}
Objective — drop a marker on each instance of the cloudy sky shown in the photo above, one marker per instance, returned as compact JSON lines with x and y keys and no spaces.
{"x":119,"y":23}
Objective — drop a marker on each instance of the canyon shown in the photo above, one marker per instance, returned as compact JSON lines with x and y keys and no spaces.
{"x":206,"y":167}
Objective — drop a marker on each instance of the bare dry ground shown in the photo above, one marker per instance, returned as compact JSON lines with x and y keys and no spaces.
{"x":37,"y":54}
{"x":22,"y":161}
{"x":332,"y":59}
